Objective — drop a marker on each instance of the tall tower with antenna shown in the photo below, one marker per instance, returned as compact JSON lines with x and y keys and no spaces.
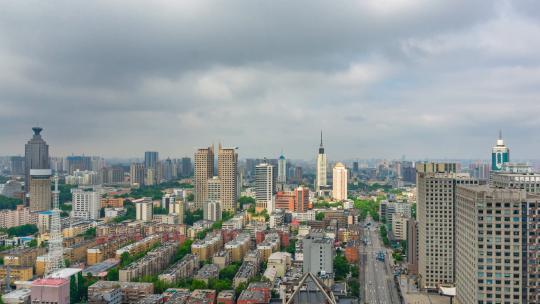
{"x":55,"y":257}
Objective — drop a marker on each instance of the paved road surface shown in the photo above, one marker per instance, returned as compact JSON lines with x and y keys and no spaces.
{"x":377,"y":279}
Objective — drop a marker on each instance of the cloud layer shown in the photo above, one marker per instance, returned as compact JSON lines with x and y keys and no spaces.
{"x":382,"y":78}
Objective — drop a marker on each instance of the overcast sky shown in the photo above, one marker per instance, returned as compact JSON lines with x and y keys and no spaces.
{"x":381,"y":78}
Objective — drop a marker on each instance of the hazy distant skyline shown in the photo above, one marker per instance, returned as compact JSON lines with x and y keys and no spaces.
{"x":381,"y":78}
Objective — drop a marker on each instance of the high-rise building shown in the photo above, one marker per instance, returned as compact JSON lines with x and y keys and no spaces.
{"x":355,"y":167}
{"x":435,"y":213}
{"x":212,"y":211}
{"x":186,"y":167}
{"x":178,"y":209}
{"x":40,"y":189}
{"x":151,"y":159}
{"x":516,"y":176}
{"x":318,"y":255}
{"x":412,"y":246}
{"x":298,"y":175}
{"x":282,"y":170}
{"x":204,"y":170}
{"x":86,"y":204}
{"x":16,"y":165}
{"x":168,"y":169}
{"x":500,"y":154}
{"x":497,"y":257}
{"x":301,"y":199}
{"x":144,"y":211}
{"x":81,"y":163}
{"x":214,"y":189}
{"x":339,"y":176}
{"x":321,"y":168}
{"x":263,"y":186}
{"x":36,"y":155}
{"x":228,"y":175}
{"x":137,"y":174}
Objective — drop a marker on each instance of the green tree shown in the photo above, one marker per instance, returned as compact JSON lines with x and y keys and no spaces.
{"x":159,"y":210}
{"x":341,"y":267}
{"x":229,"y":272}
{"x":24,"y":230}
{"x":191,"y":197}
{"x":292,"y":247}
{"x":243,"y":200}
{"x":192,"y":217}
{"x":197,"y":284}
{"x":413,"y":211}
{"x":319,"y":216}
{"x":112,"y":275}
{"x":9,"y":203}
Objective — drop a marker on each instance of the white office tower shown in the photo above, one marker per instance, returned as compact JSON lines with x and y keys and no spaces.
{"x":339,"y":176}
{"x":55,"y":257}
{"x":321,"y":168}
{"x":263,"y":185}
{"x":144,"y":211}
{"x":86,"y":204}
{"x":212,"y":211}
{"x":282,"y":170}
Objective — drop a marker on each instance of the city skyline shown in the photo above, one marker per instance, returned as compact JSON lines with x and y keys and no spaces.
{"x":371,"y":74}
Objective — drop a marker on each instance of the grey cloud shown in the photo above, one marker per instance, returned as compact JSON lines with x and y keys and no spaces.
{"x":118,"y":77}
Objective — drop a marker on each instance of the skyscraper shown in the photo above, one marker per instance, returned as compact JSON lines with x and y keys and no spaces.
{"x":228,"y":175}
{"x":500,"y":154}
{"x":321,"y":168}
{"x":16,"y":165}
{"x":81,"y":163}
{"x":151,"y":159}
{"x":282,"y":170}
{"x":301,"y":199}
{"x":40,"y":189}
{"x":339,"y":176}
{"x":136,"y":172}
{"x":36,"y":154}
{"x":263,"y":185}
{"x":186,"y":167}
{"x":436,"y":185}
{"x":204,"y":170}
{"x":497,"y":257}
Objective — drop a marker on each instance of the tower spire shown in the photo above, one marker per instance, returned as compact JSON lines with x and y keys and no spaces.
{"x":500,"y":134}
{"x":321,"y":139}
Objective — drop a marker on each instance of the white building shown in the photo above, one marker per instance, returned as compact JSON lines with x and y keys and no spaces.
{"x":212,"y":211}
{"x":282,"y":170}
{"x":339,"y":175}
{"x":86,"y":204}
{"x":144,"y":211}
{"x":399,"y":226}
{"x":321,"y":168}
{"x":264,"y":186}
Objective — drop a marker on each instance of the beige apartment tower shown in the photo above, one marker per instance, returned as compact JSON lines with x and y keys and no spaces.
{"x":339,"y":175}
{"x":228,"y":175}
{"x":435,"y":212}
{"x":204,"y":170}
{"x":40,"y":189}
{"x":497,"y":245}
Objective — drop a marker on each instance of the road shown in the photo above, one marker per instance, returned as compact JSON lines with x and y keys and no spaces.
{"x":376,"y":278}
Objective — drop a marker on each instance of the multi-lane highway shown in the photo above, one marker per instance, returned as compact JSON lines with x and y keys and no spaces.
{"x":376,"y":277}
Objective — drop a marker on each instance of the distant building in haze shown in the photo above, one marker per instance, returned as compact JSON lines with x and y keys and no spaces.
{"x":339,"y":182}
{"x":16,"y":165}
{"x":36,"y":155}
{"x":80,"y":163}
{"x":186,"y":167}
{"x":137,"y":174}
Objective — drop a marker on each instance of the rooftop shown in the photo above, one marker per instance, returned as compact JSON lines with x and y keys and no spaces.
{"x":49,"y":282}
